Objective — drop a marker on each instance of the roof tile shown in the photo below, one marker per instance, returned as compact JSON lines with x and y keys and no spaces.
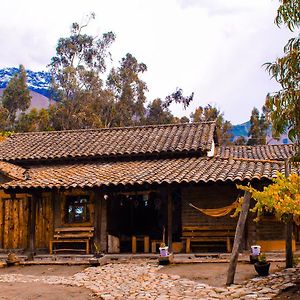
{"x":189,"y":169}
{"x":109,"y":141}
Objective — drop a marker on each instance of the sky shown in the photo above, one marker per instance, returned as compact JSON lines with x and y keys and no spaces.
{"x":214,"y":48}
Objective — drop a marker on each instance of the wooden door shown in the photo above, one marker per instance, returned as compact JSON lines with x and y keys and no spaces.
{"x":44,"y":221}
{"x":14,"y":222}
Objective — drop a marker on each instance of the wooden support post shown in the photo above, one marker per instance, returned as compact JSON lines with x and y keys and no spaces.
{"x":32,"y":221}
{"x":133,"y":244}
{"x":188,"y":245}
{"x":170,"y":219}
{"x":2,"y":217}
{"x":228,"y":245}
{"x":56,"y":209}
{"x":146,"y":244}
{"x":103,"y":235}
{"x":97,"y":218}
{"x":288,"y":229}
{"x":238,"y":238}
{"x":153,"y":247}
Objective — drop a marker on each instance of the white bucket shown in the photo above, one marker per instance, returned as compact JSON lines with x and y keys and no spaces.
{"x":255,"y":249}
{"x":164,"y":251}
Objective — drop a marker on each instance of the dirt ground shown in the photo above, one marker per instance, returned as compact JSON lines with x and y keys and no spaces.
{"x":210,"y":273}
{"x":38,"y":290}
{"x":215,"y":274}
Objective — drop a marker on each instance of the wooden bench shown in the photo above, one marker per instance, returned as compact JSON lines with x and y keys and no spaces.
{"x":72,"y":235}
{"x":213,"y":233}
{"x":143,"y":238}
{"x":154,"y":244}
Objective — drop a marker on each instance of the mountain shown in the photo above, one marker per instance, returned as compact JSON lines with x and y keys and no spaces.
{"x":38,"y":82}
{"x":240,"y":130}
{"x":244,"y":128}
{"x":37,"y":100}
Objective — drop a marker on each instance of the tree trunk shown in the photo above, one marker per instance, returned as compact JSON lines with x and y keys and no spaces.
{"x":288,"y":230}
{"x":288,"y":245}
{"x":238,"y":238}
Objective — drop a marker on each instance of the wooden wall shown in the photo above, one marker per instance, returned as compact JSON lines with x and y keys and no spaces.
{"x":267,"y":231}
{"x":44,"y":221}
{"x":14,"y":222}
{"x":209,"y":195}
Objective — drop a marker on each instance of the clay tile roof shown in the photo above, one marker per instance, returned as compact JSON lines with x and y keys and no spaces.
{"x":12,"y":171}
{"x":171,"y":170}
{"x":139,"y":140}
{"x":261,"y":152}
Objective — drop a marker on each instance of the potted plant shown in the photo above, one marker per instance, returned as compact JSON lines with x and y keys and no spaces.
{"x":163,"y":250}
{"x":254,"y":253}
{"x":262,"y":266}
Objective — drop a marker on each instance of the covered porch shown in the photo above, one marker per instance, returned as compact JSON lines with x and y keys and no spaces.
{"x":132,"y":219}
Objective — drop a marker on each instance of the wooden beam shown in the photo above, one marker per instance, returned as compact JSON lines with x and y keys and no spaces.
{"x":103,"y":226}
{"x":170,"y":218}
{"x":133,"y":244}
{"x":56,"y":198}
{"x":2,"y":214}
{"x":97,"y":217}
{"x":238,"y":238}
{"x":32,"y":221}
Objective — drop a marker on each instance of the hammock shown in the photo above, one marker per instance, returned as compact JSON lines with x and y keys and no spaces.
{"x":217,"y":212}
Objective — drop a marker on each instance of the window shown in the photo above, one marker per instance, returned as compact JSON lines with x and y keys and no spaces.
{"x":77,"y":209}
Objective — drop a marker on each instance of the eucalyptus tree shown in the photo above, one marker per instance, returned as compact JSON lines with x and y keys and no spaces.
{"x":16,"y":96}
{"x":77,"y":86}
{"x":212,"y":113}
{"x":283,"y":106}
{"x":258,"y":128}
{"x":129,"y":89}
{"x":158,"y":114}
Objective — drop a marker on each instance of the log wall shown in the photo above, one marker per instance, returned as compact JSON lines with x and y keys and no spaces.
{"x":13,"y":222}
{"x":44,"y":221}
{"x":209,"y":195}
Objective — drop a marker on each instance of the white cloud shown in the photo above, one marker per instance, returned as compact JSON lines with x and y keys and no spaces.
{"x":212,"y":47}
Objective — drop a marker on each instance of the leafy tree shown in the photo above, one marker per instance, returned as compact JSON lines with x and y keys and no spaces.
{"x":178,"y":97}
{"x":184,"y":119}
{"x":79,"y":60}
{"x":240,"y":141}
{"x":3,"y":118}
{"x":284,"y":106}
{"x":211,"y":113}
{"x":158,"y":114}
{"x":258,"y":128}
{"x":35,"y":120}
{"x":281,"y":198}
{"x":76,"y":78}
{"x":129,"y":90}
{"x":16,"y":96}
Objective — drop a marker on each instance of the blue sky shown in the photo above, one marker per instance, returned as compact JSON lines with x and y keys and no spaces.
{"x":215,"y":48}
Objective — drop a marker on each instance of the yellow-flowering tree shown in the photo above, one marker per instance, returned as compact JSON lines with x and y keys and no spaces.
{"x":281,"y":198}
{"x":4,"y":135}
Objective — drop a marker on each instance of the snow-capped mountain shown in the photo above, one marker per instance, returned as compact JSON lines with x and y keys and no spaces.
{"x":38,"y":82}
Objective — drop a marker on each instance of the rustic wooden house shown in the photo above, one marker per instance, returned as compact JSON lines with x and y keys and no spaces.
{"x":126,"y":189}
